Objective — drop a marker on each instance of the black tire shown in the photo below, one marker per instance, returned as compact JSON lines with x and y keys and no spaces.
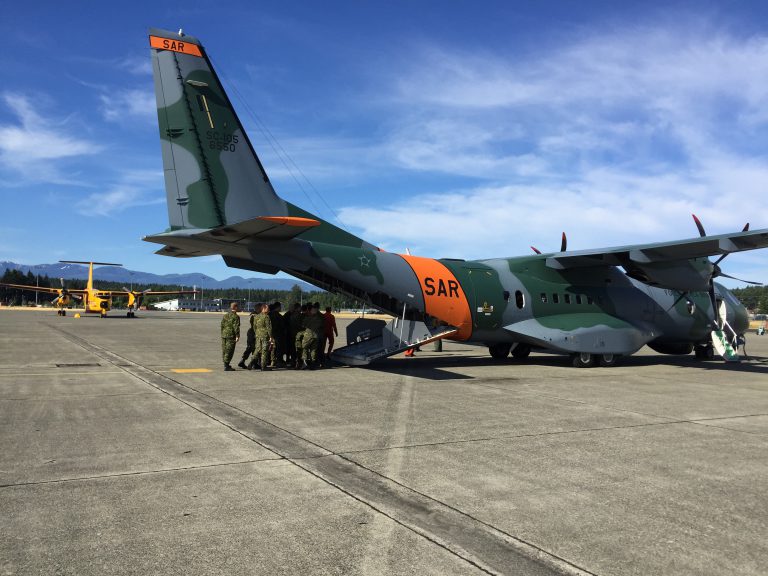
{"x":583,"y":360}
{"x":705,"y":352}
{"x":521,"y":351}
{"x":499,"y":351}
{"x":609,"y":360}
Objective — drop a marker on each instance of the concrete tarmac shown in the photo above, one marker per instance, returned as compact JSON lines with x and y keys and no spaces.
{"x":112,"y":462}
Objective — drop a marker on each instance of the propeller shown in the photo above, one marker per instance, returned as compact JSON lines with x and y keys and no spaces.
{"x":65,"y":294}
{"x":563,"y":245}
{"x":137,"y":296}
{"x":716,"y":272}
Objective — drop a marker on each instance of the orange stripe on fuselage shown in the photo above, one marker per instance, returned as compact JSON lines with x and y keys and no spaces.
{"x":175,"y":45}
{"x":444,"y":297}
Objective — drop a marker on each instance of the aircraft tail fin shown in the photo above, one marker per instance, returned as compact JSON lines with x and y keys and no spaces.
{"x":213,"y":177}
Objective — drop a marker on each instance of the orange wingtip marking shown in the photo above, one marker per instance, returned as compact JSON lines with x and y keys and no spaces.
{"x":175,"y":46}
{"x":444,"y":297}
{"x":291,"y":221}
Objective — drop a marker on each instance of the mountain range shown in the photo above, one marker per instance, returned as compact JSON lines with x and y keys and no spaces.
{"x":120,"y":274}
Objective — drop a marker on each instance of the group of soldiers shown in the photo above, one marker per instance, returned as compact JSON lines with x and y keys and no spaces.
{"x":302,"y":338}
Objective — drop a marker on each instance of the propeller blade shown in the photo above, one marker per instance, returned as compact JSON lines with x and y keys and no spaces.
{"x":702,"y":233}
{"x":126,"y":290}
{"x":535,"y":249}
{"x":62,"y":282}
{"x":746,"y":227}
{"x":563,"y":243}
{"x":740,"y":279}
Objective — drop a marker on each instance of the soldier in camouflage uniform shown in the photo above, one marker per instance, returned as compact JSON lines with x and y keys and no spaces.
{"x":230,"y":334}
{"x":291,"y":321}
{"x":262,"y":326}
{"x":297,"y":327}
{"x":310,"y":340}
{"x":278,"y":335}
{"x":250,"y":343}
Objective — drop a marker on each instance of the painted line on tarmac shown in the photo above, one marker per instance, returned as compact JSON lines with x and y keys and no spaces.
{"x":137,"y":473}
{"x":191,"y":370}
{"x":474,"y":541}
{"x":59,"y":373}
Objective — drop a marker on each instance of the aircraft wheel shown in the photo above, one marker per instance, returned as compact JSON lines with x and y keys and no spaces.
{"x":609,"y":360}
{"x":521,"y":351}
{"x":499,"y":351}
{"x":583,"y":360}
{"x":705,"y":352}
{"x":63,"y":312}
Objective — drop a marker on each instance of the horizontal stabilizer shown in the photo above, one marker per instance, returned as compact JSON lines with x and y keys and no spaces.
{"x":261,"y":228}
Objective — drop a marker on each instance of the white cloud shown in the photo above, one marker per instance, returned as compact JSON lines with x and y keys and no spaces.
{"x":615,"y":139}
{"x":128,"y":105}
{"x":133,"y":188}
{"x":34,"y":146}
{"x":137,"y":65}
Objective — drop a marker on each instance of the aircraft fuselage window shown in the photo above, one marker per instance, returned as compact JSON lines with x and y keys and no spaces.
{"x":567,"y":298}
{"x":589,"y":300}
{"x":519,"y":299}
{"x":578,"y":298}
{"x":555,"y":298}
{"x":506,"y":295}
{"x":543,"y":297}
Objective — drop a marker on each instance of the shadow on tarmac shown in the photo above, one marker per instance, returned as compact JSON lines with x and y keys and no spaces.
{"x":436,"y":367}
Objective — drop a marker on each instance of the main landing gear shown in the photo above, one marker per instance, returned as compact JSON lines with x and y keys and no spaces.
{"x":131,"y":314}
{"x":61,"y":312}
{"x":704,"y":351}
{"x":587,"y":360}
{"x":501,"y":350}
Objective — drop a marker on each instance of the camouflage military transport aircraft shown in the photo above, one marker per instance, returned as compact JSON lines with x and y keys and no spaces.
{"x":94,"y":301}
{"x":595,"y":305}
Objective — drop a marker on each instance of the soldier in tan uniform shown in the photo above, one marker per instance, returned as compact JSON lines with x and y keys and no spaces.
{"x":262,"y":327}
{"x":230,"y":334}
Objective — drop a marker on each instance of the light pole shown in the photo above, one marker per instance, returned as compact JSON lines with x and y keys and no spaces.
{"x":248,"y":304}
{"x":37,"y":283}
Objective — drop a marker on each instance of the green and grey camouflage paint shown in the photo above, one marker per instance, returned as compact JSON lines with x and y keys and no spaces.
{"x":221,"y":201}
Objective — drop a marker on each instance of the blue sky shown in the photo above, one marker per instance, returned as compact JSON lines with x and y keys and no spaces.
{"x":439,"y":127}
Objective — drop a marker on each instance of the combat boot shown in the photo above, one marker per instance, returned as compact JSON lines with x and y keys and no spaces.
{"x":228,"y":368}
{"x":253,"y":365}
{"x":242,"y":365}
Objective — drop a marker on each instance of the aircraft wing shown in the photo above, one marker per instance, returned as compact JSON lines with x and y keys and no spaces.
{"x":114,"y":293}
{"x":263,"y":228}
{"x":662,"y":251}
{"x":41,"y":289}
